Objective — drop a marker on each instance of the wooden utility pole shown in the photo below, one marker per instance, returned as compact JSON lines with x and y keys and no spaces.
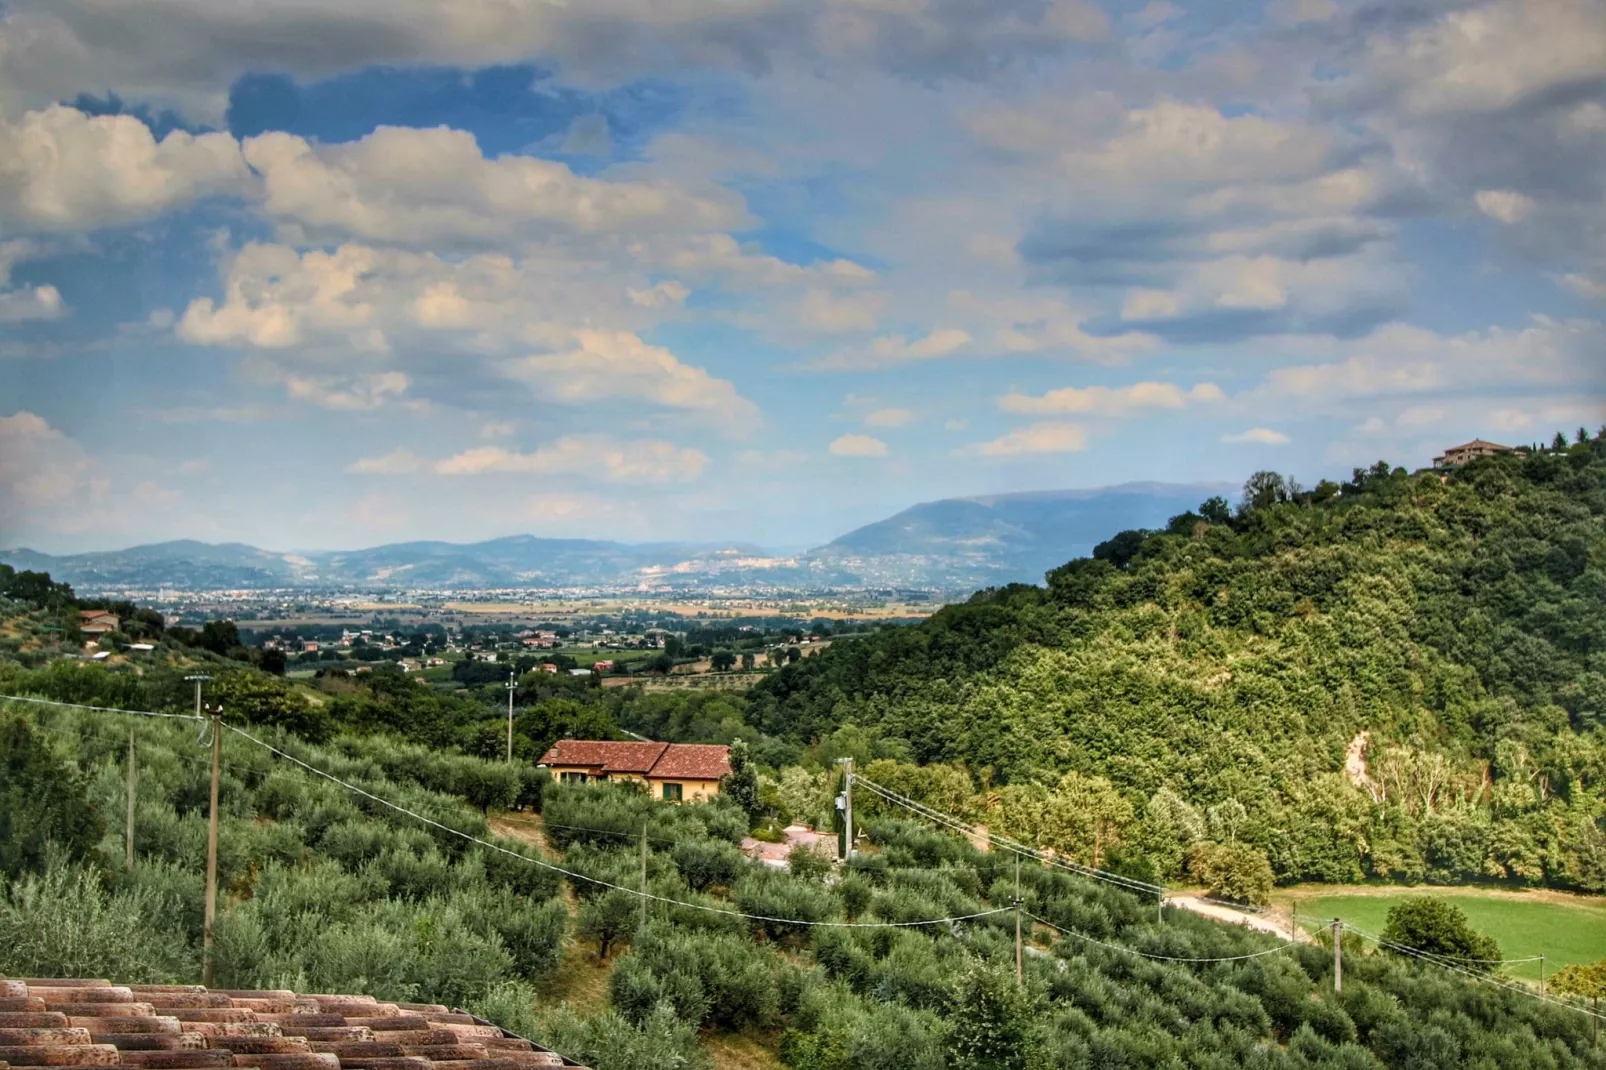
{"x":1338,"y":955}
{"x":1159,"y":907}
{"x":211,"y":846}
{"x":512,"y":686}
{"x":1020,"y":971}
{"x":847,"y":843}
{"x":1541,"y":973}
{"x":128,"y":838}
{"x":643,"y":874}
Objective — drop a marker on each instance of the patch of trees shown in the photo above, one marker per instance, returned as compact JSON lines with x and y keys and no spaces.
{"x":1346,"y":664}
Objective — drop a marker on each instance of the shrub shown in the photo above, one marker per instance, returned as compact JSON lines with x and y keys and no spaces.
{"x":42,"y":801}
{"x":704,"y":863}
{"x":1439,"y":927}
{"x":1233,"y":871}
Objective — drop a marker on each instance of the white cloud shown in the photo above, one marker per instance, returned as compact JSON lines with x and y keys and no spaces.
{"x":1487,"y":56}
{"x":1049,"y":436}
{"x":1108,"y":401}
{"x":618,"y":364}
{"x":435,"y":188}
{"x":829,"y":312}
{"x":856,"y":445}
{"x":41,"y":469}
{"x":1404,"y":360}
{"x":189,"y":52}
{"x":1263,"y":436}
{"x":31,"y":303}
{"x":1584,"y":286}
{"x":63,"y":170}
{"x":572,"y":456}
{"x":1505,"y":205}
{"x":362,"y":393}
{"x":498,"y":429}
{"x":894,"y":349}
{"x":889,"y":418}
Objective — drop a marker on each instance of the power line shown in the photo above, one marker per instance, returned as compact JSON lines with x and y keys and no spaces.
{"x":355,"y":789}
{"x":960,"y":825}
{"x":1425,"y":956}
{"x":1510,"y":986}
{"x":99,"y":709}
{"x":1149,"y":955}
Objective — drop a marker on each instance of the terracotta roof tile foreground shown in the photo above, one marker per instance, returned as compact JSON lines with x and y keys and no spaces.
{"x":73,"y":1022}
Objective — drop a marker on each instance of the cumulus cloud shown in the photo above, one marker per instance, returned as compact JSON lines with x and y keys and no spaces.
{"x":1401,"y":360}
{"x":1110,"y":401}
{"x":618,"y":364}
{"x":1263,"y":436}
{"x":1049,"y":436}
{"x":856,"y":445}
{"x":435,"y":188}
{"x":893,"y":417}
{"x":189,"y":52}
{"x":63,"y":170}
{"x":588,"y":456}
{"x":41,"y":469}
{"x":1507,"y":206}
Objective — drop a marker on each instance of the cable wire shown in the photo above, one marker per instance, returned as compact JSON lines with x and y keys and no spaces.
{"x":355,"y":789}
{"x":1508,"y":985}
{"x":1149,"y":955}
{"x":100,"y":709}
{"x":959,"y":825}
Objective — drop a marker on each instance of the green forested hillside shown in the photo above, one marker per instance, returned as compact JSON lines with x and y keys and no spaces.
{"x":1445,"y":633}
{"x":325,"y":891}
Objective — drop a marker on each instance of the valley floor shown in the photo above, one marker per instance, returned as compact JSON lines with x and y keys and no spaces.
{"x":1528,"y":922}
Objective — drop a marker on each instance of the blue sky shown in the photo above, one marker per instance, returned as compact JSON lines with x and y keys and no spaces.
{"x":316,"y":276}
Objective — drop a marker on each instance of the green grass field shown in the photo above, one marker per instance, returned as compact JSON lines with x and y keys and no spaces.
{"x":1563,"y":928}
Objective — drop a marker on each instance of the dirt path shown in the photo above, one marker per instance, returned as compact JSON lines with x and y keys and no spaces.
{"x":1275,"y":922}
{"x":521,"y":826}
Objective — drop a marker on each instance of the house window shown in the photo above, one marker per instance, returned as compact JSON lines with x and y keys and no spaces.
{"x":672,"y":792}
{"x":572,"y":778}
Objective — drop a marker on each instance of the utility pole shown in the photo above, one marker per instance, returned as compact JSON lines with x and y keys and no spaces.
{"x":128,"y":840}
{"x":512,"y":686}
{"x":211,"y":846}
{"x":847,"y":810}
{"x":1338,"y":955}
{"x":198,"y":680}
{"x":1293,"y":921}
{"x":1020,"y":972}
{"x":643,"y":874}
{"x":1541,"y":973}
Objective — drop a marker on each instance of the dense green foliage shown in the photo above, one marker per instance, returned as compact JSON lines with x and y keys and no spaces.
{"x":321,"y":890}
{"x":327,"y":891}
{"x":1439,"y":927}
{"x":42,"y":802}
{"x":1441,"y":634}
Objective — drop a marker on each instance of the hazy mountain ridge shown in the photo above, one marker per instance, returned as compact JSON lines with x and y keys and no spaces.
{"x":954,"y":543}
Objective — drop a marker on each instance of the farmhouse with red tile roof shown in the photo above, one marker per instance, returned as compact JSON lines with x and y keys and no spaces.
{"x":670,"y":770}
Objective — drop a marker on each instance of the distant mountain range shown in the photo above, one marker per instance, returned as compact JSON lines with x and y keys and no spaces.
{"x":955,"y":544}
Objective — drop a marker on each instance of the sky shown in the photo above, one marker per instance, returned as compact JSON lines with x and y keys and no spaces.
{"x":332,"y":275}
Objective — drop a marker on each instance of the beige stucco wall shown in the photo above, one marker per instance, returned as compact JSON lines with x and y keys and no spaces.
{"x":689,"y":789}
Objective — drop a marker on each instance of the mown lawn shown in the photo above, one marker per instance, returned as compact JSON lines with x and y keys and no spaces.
{"x":1564,"y":928}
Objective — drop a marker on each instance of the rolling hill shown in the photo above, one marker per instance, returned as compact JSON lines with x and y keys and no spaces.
{"x":956,"y":544}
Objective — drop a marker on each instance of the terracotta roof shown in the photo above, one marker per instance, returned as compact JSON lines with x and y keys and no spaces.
{"x":681,"y":761}
{"x":78,"y":1022}
{"x":693,"y":761}
{"x":607,"y":757}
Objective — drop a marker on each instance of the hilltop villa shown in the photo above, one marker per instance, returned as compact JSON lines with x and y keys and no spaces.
{"x":672,"y":771}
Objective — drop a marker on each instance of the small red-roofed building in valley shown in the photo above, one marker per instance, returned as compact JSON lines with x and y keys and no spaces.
{"x":673,"y":771}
